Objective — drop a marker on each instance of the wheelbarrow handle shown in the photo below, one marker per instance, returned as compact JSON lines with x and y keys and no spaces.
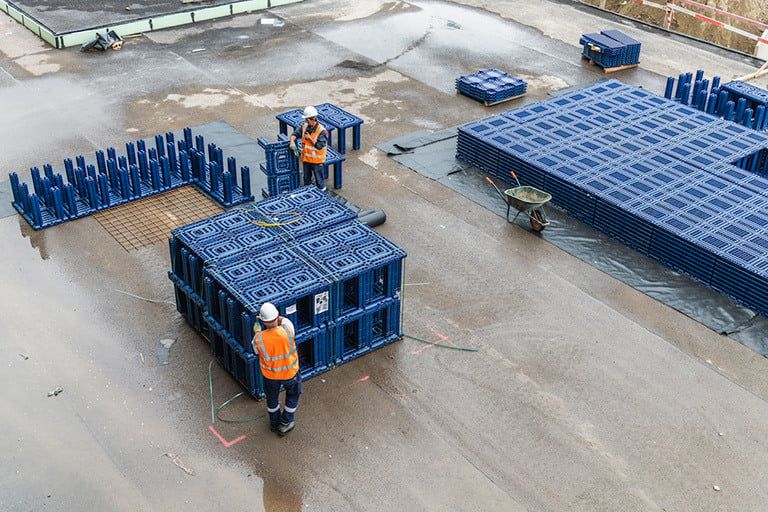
{"x":489,"y":180}
{"x":515,"y":176}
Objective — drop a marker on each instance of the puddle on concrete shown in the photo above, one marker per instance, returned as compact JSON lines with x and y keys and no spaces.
{"x":164,"y":350}
{"x":36,"y":238}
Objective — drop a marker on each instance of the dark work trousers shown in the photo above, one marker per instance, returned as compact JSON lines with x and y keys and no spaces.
{"x":292,"y":391}
{"x":315,"y":170}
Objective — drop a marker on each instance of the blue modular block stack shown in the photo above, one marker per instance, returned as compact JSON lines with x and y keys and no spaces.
{"x":677,"y":184}
{"x":281,"y":166}
{"x":141,"y":172}
{"x":491,"y":86}
{"x":336,"y":279}
{"x":735,"y":101}
{"x":610,"y":49}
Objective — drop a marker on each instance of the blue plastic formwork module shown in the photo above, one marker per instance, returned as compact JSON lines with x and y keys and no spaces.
{"x":332,"y":158}
{"x":490,"y":86}
{"x":112,"y":179}
{"x":365,"y":267}
{"x":676,"y":183}
{"x":363,"y":331}
{"x":225,"y":267}
{"x":331,"y":117}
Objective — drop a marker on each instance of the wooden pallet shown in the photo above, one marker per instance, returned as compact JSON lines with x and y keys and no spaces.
{"x":610,"y":70}
{"x":495,"y":102}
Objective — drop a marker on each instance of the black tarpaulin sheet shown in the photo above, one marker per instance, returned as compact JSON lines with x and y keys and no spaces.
{"x":434,"y":155}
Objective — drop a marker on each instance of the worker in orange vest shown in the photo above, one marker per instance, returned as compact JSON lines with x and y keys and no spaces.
{"x":314,"y":145}
{"x":279,"y":362}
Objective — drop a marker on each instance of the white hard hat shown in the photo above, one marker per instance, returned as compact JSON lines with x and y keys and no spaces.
{"x":310,"y":111}
{"x":268,"y":312}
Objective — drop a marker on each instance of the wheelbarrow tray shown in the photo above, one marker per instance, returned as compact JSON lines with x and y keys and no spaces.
{"x":525,"y":199}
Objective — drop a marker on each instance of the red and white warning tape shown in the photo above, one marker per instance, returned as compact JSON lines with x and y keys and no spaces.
{"x":671,"y":8}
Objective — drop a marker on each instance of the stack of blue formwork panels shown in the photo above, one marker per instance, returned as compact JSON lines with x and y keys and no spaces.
{"x":610,"y":48}
{"x":336,"y":279}
{"x":631,"y":45}
{"x":116,"y":179}
{"x":677,"y":184}
{"x":491,"y":86}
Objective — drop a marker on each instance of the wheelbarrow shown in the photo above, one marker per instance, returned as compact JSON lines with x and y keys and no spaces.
{"x":526,"y":200}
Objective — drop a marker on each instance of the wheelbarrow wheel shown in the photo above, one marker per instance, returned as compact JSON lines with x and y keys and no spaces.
{"x":538,"y":221}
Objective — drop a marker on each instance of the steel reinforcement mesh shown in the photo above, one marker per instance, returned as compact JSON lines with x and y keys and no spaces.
{"x":144,"y":222}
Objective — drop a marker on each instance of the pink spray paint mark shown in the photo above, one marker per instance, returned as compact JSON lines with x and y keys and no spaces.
{"x":442,"y":338}
{"x":358,"y":380}
{"x":227,"y":444}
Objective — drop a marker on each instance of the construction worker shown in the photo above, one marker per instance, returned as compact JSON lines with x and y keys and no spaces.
{"x":279,"y":361}
{"x":314,"y":144}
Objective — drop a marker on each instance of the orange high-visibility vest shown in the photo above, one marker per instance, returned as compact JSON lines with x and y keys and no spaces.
{"x":277,"y":354}
{"x":309,"y":153}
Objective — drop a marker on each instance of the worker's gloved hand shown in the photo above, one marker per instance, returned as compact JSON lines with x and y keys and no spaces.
{"x":292,"y":145}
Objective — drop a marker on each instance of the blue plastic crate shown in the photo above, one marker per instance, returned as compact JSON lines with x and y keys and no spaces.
{"x":359,"y":333}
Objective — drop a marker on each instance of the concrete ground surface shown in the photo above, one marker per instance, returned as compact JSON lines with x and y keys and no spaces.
{"x":584,"y":394}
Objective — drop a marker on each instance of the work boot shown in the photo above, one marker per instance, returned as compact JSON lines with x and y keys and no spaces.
{"x":285,"y":428}
{"x":273,"y":428}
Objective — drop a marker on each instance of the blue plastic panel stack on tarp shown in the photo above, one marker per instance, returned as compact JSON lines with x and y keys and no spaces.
{"x":735,"y":101}
{"x":608,"y":52}
{"x":112,"y":179}
{"x":491,"y":86}
{"x":675,"y":183}
{"x":336,"y":279}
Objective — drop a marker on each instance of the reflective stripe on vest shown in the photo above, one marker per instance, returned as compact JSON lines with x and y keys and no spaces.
{"x":284,"y":364}
{"x":309,"y":153}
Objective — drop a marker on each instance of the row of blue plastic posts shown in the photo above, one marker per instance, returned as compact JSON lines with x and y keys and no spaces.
{"x":115,"y":180}
{"x":713,"y":100}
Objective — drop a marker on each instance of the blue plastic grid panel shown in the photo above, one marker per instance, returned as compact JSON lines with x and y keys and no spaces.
{"x":572,"y":198}
{"x":685,"y":173}
{"x":612,"y":219}
{"x":749,"y":288}
{"x":682,"y":254}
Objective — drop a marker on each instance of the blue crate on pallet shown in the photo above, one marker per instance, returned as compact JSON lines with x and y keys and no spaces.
{"x":490,"y":86}
{"x":242,"y":364}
